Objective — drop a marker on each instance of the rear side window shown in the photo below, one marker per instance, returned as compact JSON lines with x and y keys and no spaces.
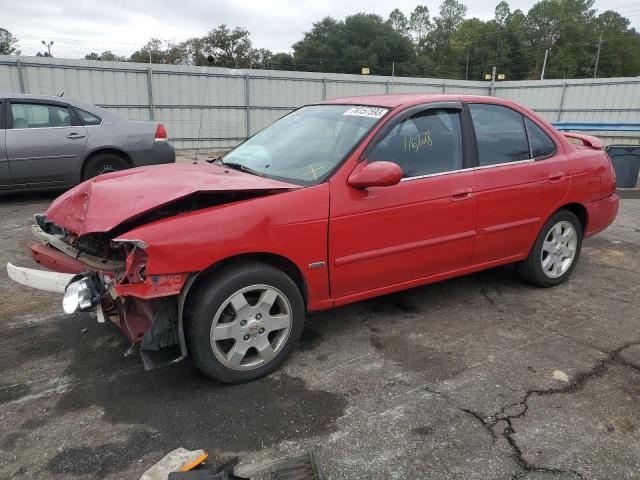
{"x":426,"y":143}
{"x":541,"y":144}
{"x":34,"y":115}
{"x":500,"y":134}
{"x":88,"y":118}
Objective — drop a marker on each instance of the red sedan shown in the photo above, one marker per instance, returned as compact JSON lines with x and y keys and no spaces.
{"x":334,"y":203}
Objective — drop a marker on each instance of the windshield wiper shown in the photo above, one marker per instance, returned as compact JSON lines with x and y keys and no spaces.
{"x":244,"y":168}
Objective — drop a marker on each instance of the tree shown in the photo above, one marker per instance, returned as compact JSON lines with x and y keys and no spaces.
{"x":420,"y":23}
{"x":447,"y":46}
{"x":228,"y":48}
{"x":282,"y":61}
{"x":399,"y":21}
{"x":501,"y":13}
{"x":106,"y":56}
{"x":152,"y":52}
{"x":8,"y":43}
{"x":361,"y":40}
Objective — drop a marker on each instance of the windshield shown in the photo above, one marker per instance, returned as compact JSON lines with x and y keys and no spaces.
{"x":305,"y":146}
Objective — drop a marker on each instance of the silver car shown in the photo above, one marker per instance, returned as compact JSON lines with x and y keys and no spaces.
{"x":48,"y":142}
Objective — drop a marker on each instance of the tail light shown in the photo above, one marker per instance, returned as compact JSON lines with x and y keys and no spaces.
{"x":161,"y":133}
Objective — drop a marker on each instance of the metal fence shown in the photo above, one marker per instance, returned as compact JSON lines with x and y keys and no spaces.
{"x":213,"y":107}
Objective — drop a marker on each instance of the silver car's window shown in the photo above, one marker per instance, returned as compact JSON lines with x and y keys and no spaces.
{"x":89,"y":118}
{"x":34,"y":115}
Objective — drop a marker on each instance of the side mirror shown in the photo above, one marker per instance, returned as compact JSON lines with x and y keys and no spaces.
{"x":375,"y":174}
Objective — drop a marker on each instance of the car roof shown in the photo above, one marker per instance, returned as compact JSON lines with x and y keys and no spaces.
{"x":409,"y":99}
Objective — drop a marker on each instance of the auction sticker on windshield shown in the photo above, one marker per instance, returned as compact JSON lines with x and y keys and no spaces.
{"x":372,"y":112}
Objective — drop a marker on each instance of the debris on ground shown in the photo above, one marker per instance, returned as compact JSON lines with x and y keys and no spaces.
{"x":179,"y":460}
{"x":222,"y":472}
{"x":303,"y":467}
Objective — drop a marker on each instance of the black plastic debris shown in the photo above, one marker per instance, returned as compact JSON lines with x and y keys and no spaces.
{"x":303,"y":467}
{"x":222,"y":472}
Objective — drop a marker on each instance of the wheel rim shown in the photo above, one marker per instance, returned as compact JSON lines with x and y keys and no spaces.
{"x":107,"y":168}
{"x":251,"y":327}
{"x":559,"y":249}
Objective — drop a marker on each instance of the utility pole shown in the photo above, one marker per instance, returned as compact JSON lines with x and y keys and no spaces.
{"x":595,"y":70}
{"x":48,"y":45}
{"x":544,"y":64}
{"x":493,"y":81}
{"x":393,"y":71}
{"x":466,"y":74}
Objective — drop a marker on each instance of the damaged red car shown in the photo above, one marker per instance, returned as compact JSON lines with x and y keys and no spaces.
{"x":334,"y":203}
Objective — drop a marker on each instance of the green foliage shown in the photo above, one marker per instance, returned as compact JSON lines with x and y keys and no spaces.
{"x":448,"y":45}
{"x":8,"y":43}
{"x":106,"y":56}
{"x":361,"y":40}
{"x":220,"y":47}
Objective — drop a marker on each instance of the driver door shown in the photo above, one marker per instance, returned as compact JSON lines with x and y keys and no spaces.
{"x":383,"y":239}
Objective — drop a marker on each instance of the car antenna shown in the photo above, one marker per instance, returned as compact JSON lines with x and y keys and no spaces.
{"x":204,"y":99}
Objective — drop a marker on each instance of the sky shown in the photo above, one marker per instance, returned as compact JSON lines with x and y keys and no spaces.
{"x":78,"y":27}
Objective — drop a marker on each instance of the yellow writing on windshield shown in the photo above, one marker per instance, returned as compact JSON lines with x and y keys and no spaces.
{"x":413,"y":143}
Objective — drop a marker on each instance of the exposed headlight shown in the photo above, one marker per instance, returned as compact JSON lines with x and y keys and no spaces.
{"x":83,"y":294}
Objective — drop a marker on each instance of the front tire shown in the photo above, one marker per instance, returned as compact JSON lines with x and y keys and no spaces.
{"x":555,"y":253}
{"x":243,"y":322}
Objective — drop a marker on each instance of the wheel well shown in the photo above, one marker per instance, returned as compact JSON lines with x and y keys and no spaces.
{"x":276,"y":261}
{"x":579,"y":211}
{"x":113,"y":151}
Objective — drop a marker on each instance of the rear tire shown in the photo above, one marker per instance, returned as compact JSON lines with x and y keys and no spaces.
{"x":243,"y":322}
{"x":103,"y":163}
{"x":555,"y":253}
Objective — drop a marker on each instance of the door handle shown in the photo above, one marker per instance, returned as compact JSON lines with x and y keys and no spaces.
{"x":556,"y":177}
{"x":461,"y":194}
{"x":74,"y":135}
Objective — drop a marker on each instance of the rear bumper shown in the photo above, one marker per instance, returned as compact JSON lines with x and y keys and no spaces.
{"x":161,"y":152}
{"x":601,"y":214}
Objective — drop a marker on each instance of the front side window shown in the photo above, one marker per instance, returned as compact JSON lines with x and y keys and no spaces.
{"x":307,"y":145}
{"x":500,"y":134}
{"x":541,"y":144}
{"x":34,"y":115}
{"x":427,"y":143}
{"x":88,"y":118}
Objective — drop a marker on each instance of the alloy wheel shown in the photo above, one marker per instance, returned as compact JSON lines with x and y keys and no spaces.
{"x":251,"y":327}
{"x":559,"y":249}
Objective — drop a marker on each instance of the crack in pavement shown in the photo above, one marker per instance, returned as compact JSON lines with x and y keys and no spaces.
{"x":578,"y":382}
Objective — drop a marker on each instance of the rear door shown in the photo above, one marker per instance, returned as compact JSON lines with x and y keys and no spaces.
{"x":44,"y":141}
{"x":5,"y":175}
{"x":521,"y":178}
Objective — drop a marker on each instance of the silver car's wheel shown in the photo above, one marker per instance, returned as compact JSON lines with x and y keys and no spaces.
{"x":559,"y":249}
{"x":107,"y":168}
{"x":103,"y":163}
{"x":251,"y":327}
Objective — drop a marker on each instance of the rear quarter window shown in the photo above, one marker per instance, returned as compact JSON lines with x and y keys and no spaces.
{"x":541,"y":144}
{"x":88,"y":118}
